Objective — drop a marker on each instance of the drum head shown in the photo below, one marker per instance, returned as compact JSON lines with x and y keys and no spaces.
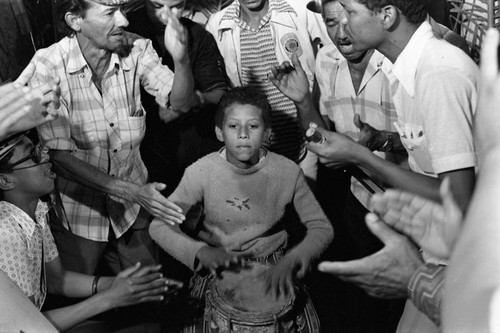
{"x":245,"y":291}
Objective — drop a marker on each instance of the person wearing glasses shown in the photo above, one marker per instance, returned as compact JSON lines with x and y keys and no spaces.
{"x":107,"y":201}
{"x":28,"y":253}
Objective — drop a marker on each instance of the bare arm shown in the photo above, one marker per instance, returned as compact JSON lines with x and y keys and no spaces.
{"x":132,"y":286}
{"x":340,"y":150}
{"x":147,"y":195}
{"x":182,"y":96}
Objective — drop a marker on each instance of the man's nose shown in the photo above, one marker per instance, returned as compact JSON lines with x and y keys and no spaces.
{"x":121,"y":18}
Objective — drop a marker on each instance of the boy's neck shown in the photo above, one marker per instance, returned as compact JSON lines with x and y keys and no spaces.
{"x":23,"y":203}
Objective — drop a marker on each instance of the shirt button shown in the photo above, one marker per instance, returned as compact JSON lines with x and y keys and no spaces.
{"x":115,"y":150}
{"x":82,"y":75}
{"x":112,"y":124}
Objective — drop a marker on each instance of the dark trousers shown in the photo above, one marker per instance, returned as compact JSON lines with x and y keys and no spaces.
{"x":359,"y":311}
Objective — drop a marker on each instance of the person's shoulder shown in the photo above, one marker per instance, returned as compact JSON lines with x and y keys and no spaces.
{"x":135,"y":41}
{"x":205,"y":163}
{"x":215,"y":19}
{"x":7,"y":213}
{"x":281,"y":164}
{"x":55,"y":53}
{"x":440,"y":55}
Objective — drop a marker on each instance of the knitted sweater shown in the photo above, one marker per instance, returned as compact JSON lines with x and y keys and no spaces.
{"x":242,"y":210}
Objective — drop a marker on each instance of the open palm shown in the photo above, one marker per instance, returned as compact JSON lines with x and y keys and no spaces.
{"x":433,"y":226}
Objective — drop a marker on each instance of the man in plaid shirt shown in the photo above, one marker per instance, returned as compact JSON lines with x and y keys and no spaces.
{"x":106,"y":200}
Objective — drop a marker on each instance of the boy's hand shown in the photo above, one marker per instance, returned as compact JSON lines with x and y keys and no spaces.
{"x":216,"y":259}
{"x":280,"y":278}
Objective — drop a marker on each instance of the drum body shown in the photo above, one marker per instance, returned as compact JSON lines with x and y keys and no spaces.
{"x":239,"y":303}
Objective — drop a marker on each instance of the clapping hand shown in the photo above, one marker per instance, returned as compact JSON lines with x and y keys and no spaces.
{"x":386,"y":273}
{"x":138,"y":285}
{"x":176,"y":37}
{"x":22,"y":107}
{"x":433,"y":226}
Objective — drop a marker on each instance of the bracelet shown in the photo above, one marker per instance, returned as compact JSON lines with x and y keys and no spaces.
{"x":94,"y":284}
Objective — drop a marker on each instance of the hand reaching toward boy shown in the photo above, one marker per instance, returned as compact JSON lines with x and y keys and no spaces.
{"x":138,"y":285}
{"x":434,"y":227}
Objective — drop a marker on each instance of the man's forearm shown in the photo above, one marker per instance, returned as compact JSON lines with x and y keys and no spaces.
{"x":307,"y":113}
{"x":88,"y":175}
{"x":397,"y":177}
{"x":182,"y":96}
{"x":426,"y":290}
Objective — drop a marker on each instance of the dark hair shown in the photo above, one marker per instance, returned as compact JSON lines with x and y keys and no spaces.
{"x":243,"y":95}
{"x":413,"y":10}
{"x":77,"y":7}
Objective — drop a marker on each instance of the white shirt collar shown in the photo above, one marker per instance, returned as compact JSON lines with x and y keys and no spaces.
{"x":405,"y":67}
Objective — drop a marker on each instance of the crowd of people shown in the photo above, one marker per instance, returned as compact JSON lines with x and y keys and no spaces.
{"x":157,"y":173}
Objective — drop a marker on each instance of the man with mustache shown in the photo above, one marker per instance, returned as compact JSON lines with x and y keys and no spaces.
{"x":107,"y":204}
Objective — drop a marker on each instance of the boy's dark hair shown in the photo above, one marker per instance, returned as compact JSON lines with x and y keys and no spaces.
{"x":413,"y":10}
{"x":243,"y":95}
{"x":77,"y":7}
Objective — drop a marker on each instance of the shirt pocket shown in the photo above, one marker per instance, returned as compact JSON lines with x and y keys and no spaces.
{"x":133,"y":129}
{"x":415,"y":142}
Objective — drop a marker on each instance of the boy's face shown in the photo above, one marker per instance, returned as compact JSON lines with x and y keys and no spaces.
{"x":363,"y":27}
{"x":242,"y":132}
{"x":30,"y":177}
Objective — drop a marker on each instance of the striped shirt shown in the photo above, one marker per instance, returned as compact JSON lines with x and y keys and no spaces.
{"x":25,"y":246}
{"x":258,"y":54}
{"x":340,"y":102}
{"x":104,"y":130}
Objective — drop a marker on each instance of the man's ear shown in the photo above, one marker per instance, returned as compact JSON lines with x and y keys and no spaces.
{"x":6,"y":182}
{"x":390,"y":16}
{"x":73,"y":21}
{"x":218,"y":134}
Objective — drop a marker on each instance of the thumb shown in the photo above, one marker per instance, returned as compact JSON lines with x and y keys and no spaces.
{"x":357,"y":121}
{"x":296,"y":63}
{"x":160,"y":186}
{"x":381,"y":230}
{"x":129,"y":271}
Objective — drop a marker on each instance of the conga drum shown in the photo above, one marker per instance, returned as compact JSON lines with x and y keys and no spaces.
{"x":238,"y":303}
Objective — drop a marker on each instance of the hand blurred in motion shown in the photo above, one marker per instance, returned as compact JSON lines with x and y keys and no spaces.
{"x":22,"y":107}
{"x":386,"y":273}
{"x":433,"y":226}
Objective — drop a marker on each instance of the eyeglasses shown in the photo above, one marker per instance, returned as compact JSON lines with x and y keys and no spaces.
{"x":35,"y":155}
